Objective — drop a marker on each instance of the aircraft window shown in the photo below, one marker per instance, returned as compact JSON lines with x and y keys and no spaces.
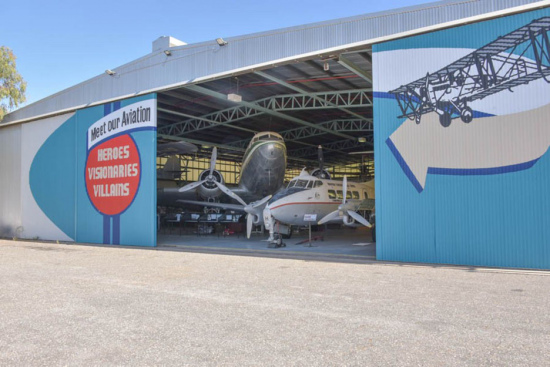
{"x":355,"y":194}
{"x":366,"y":195}
{"x":331,"y":194}
{"x":291,"y":184}
{"x":318,"y":183}
{"x":284,"y":193}
{"x":349,"y":195}
{"x":301,"y":183}
{"x":340,"y":194}
{"x":309,"y":185}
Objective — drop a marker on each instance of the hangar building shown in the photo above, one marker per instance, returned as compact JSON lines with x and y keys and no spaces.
{"x":452,"y":96}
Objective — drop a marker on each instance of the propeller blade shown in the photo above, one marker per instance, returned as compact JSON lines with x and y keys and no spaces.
{"x":345,"y":189}
{"x":191,"y":186}
{"x":320,"y":158}
{"x":259,"y":203}
{"x":213,"y":160}
{"x":249,"y":223}
{"x":359,"y":218}
{"x":227,"y":191}
{"x":330,"y":216}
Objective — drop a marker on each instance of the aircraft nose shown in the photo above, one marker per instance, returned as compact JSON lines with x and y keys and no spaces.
{"x":272,"y":151}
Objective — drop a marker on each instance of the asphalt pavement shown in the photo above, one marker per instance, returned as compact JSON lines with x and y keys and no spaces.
{"x":85,"y":305}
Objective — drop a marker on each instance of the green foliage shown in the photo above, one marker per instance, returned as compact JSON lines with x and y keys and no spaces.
{"x":12,"y":85}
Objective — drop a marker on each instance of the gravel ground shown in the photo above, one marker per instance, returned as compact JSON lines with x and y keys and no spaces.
{"x":84,"y":305}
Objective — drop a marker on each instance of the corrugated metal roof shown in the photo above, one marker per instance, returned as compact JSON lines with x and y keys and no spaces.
{"x":207,"y":60}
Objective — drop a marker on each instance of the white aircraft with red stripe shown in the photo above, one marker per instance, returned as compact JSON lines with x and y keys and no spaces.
{"x":327,"y":200}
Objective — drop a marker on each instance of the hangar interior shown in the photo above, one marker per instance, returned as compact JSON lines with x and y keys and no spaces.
{"x":322,"y":101}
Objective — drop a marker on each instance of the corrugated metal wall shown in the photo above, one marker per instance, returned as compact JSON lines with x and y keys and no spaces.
{"x":192,"y":62}
{"x":10,"y":179}
{"x":475,"y":192}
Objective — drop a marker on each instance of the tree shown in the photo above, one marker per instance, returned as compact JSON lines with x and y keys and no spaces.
{"x":12,"y":85}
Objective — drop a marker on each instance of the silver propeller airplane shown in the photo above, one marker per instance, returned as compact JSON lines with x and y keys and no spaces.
{"x":262,"y":173}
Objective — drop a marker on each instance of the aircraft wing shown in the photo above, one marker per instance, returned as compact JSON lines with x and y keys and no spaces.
{"x":168,"y":196}
{"x":228,"y":206}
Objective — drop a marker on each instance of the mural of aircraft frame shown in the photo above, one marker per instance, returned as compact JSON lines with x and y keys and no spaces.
{"x":502,"y":64}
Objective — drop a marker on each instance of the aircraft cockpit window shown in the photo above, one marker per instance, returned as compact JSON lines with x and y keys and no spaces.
{"x":301,"y":183}
{"x":331,"y":194}
{"x":291,"y":184}
{"x":318,"y":183}
{"x":340,"y":194}
{"x":309,"y":185}
{"x":355,"y":194}
{"x":265,"y":137}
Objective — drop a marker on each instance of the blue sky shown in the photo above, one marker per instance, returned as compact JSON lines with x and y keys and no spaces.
{"x":61,"y":43}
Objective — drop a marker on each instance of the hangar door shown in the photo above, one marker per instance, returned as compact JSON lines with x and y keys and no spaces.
{"x":462,"y":136}
{"x":89,"y":176}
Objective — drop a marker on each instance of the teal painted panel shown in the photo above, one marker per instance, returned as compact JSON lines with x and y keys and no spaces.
{"x":471,"y":193}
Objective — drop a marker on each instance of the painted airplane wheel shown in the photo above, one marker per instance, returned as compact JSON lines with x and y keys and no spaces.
{"x":467,"y":115}
{"x":445,"y":119}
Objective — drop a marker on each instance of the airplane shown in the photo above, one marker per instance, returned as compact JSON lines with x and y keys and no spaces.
{"x":314,"y":194}
{"x":496,"y":67}
{"x":262,"y":174}
{"x":323,"y":200}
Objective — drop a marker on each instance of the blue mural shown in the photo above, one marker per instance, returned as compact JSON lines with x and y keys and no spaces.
{"x":461,"y":136}
{"x":95,"y":176}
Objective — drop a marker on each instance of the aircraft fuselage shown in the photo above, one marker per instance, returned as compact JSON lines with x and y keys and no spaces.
{"x":311,"y":195}
{"x":264,"y":166}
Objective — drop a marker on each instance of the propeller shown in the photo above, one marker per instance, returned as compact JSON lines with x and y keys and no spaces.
{"x":320,"y":171}
{"x":344,"y":210}
{"x":213,"y":160}
{"x":210,"y":178}
{"x":230,"y":193}
{"x":321,"y":159}
{"x":254,"y":210}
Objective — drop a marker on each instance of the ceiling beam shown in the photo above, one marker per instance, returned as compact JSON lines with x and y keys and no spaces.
{"x":201,"y":122}
{"x":300,"y":90}
{"x":287,"y":102}
{"x":351,"y":66}
{"x":252,"y":105}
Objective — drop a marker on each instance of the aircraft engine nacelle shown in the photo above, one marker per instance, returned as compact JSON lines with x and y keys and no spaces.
{"x":319,"y":173}
{"x":348,"y":221}
{"x":209,"y":189}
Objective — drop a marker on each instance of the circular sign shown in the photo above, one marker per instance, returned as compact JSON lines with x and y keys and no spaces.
{"x":112,"y":174}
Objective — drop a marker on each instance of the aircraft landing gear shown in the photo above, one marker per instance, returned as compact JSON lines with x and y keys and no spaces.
{"x":445,"y":119}
{"x":466,"y":115}
{"x":276,"y":241}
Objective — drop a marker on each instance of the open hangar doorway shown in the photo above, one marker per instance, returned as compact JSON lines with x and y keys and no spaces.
{"x":324,"y":101}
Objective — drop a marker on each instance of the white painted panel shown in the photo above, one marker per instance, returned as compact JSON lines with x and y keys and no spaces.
{"x":10,"y":177}
{"x":35,"y":223}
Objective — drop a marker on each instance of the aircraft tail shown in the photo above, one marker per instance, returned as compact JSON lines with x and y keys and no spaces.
{"x":171,"y":170}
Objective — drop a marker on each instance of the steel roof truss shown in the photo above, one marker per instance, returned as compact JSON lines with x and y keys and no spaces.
{"x":292,"y":102}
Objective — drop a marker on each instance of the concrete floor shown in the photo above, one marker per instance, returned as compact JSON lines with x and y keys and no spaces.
{"x":86,"y":305}
{"x":346,"y":241}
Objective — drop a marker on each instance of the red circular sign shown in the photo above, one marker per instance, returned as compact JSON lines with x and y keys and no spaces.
{"x":113,"y":174}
